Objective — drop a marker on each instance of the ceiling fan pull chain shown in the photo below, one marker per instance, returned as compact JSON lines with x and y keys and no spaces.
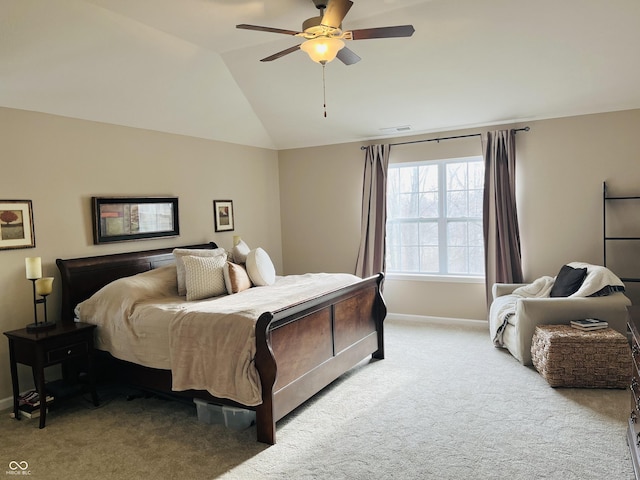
{"x":324,"y":93}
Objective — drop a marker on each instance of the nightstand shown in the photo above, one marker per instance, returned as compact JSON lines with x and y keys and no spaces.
{"x":63,"y":344}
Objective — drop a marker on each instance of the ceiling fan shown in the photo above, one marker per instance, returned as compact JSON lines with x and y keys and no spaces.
{"x":324,"y":35}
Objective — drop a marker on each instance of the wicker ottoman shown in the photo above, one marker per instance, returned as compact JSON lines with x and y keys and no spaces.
{"x":568,"y":357}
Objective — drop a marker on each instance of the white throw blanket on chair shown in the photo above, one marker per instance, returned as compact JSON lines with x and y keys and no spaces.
{"x":505,"y":306}
{"x":539,"y":288}
{"x":597,"y":278}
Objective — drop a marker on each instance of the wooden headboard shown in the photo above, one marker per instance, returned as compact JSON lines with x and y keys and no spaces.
{"x":82,"y":277}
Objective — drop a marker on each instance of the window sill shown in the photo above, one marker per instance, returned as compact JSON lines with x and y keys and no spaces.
{"x":415,"y":277}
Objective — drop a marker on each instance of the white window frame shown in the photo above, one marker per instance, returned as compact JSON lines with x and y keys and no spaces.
{"x":441,"y":276}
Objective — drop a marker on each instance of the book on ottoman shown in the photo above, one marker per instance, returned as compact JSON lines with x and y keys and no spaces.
{"x":589,"y":324}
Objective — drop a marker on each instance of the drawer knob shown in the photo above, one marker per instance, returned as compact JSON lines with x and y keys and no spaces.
{"x":69,"y":352}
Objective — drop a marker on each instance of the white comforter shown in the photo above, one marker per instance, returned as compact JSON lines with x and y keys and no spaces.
{"x":207,"y":344}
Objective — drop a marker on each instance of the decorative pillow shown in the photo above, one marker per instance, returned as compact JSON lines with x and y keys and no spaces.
{"x":236,"y":278}
{"x":568,"y":281}
{"x":240,"y":252}
{"x":260,"y":268}
{"x":179,"y":253}
{"x":204,"y":277}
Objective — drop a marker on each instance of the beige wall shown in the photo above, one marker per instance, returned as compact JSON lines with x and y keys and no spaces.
{"x":560,"y":169}
{"x":302,"y":205}
{"x":321,"y":198}
{"x":59,"y":163}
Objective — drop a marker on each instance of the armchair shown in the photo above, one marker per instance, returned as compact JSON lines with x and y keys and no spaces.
{"x":527,"y":313}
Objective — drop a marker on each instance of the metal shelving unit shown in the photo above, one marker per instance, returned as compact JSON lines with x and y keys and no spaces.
{"x":606,"y":198}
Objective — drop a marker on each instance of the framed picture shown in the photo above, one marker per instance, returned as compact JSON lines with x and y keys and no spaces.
{"x":16,"y":224}
{"x":119,"y":219}
{"x":223,"y":215}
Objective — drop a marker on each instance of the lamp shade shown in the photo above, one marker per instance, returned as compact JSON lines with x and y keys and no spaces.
{"x":34,"y":267}
{"x":322,"y":49}
{"x":44,"y":286}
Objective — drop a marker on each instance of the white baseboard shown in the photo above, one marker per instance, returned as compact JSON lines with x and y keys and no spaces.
{"x":6,"y":403}
{"x":436,"y":320}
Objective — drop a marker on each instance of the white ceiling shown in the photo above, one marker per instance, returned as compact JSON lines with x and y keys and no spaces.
{"x":181,"y":66}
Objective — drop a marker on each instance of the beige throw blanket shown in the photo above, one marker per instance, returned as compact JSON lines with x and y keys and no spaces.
{"x":207,"y":344}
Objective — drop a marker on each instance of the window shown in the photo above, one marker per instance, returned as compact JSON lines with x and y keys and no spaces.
{"x":434,"y":217}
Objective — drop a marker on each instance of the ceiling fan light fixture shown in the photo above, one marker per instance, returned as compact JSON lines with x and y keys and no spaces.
{"x":322,"y":49}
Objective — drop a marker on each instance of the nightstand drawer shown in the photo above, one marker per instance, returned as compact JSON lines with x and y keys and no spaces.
{"x":67,"y":352}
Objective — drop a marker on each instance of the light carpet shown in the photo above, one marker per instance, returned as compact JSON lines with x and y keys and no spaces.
{"x":444,"y":404}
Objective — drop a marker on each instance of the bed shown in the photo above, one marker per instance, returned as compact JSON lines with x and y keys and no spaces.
{"x":300,"y":348}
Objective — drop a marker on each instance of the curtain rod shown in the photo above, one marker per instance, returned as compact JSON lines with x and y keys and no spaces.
{"x":523,"y":129}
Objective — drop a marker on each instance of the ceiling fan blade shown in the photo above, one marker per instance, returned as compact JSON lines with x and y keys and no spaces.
{"x":244,"y":26}
{"x":348,"y":57}
{"x":382,"y":32}
{"x":335,"y":12}
{"x":275,"y":56}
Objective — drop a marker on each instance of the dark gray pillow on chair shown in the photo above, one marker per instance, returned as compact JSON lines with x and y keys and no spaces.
{"x":568,"y":281}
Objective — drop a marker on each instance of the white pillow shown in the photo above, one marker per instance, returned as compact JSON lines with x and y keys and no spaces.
{"x":181,"y":252}
{"x":240,"y":252}
{"x":204,"y":277}
{"x":260,"y":268}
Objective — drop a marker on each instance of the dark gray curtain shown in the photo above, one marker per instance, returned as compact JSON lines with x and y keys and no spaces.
{"x":371,"y":255}
{"x":502,"y":257}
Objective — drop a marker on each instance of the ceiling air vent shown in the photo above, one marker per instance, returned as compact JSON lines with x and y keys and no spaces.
{"x":400,"y":129}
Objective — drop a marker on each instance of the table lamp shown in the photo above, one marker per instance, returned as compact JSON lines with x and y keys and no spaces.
{"x":42,"y":287}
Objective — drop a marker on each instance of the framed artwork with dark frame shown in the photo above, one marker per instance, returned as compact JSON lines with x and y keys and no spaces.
{"x":119,"y":219}
{"x":223,"y":215}
{"x":16,"y":224}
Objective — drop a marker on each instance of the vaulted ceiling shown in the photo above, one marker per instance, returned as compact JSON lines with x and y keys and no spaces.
{"x":181,"y":66}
